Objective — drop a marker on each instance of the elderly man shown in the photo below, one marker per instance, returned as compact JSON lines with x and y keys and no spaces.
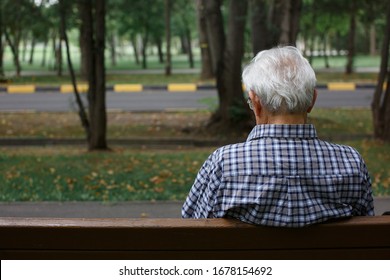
{"x":283,"y":175}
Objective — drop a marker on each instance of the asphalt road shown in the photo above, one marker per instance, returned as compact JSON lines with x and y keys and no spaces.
{"x":161,"y":100}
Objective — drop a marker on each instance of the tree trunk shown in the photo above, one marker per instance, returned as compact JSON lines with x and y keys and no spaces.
{"x":83,"y":38}
{"x":82,"y":114}
{"x":295,"y":13}
{"x":326,"y":60}
{"x":145,"y":39}
{"x":259,"y":30}
{"x":351,"y":39}
{"x":286,"y":19}
{"x":59,"y":57}
{"x":31,"y":59}
{"x":372,"y":46}
{"x":159,"y":50}
{"x":135,"y":48}
{"x":215,"y":34}
{"x":43,"y":62}
{"x":381,"y":101}
{"x":97,"y":107}
{"x":207,"y":69}
{"x":15,"y":52}
{"x":232,"y":108}
{"x":24,"y":45}
{"x":189,"y":47}
{"x":168,"y":61}
{"x":112,"y":49}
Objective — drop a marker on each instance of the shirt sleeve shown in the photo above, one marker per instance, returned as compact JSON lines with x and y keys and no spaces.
{"x":200,"y":200}
{"x":367,"y":195}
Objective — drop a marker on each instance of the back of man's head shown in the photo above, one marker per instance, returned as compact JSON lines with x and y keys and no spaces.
{"x":283,"y":80}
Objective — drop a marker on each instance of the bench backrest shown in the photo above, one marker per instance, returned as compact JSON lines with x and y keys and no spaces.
{"x":52,"y":238}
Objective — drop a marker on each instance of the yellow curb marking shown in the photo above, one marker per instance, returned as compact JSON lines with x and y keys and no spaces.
{"x":21,"y":89}
{"x":341,"y":86}
{"x":181,"y":87}
{"x":69,"y":88}
{"x":128,"y":87}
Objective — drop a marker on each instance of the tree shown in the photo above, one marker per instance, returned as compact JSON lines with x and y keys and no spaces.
{"x":227,"y":52}
{"x":17,"y":16}
{"x":168,"y":61}
{"x":82,"y":112}
{"x":204,"y":44}
{"x":381,"y":101}
{"x":274,"y":22}
{"x":351,"y":36}
{"x":183,"y":17}
{"x":142,"y":19}
{"x":93,"y":19}
{"x":260,"y":26}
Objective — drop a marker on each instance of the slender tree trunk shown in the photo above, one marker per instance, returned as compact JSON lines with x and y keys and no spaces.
{"x":324,"y":42}
{"x":83,"y":38}
{"x":31,"y":59}
{"x":15,"y":51}
{"x":59,"y":57}
{"x":351,"y":39}
{"x":82,"y":113}
{"x":112,"y":48}
{"x":135,"y":48}
{"x":381,"y":101}
{"x":189,"y":47}
{"x":183,"y":44}
{"x":54,"y":52}
{"x":287,"y":19}
{"x":43,"y":62}
{"x":97,"y":108}
{"x":372,"y":46}
{"x":159,"y":50}
{"x":24,"y":48}
{"x":168,"y":61}
{"x":207,"y":68}
{"x":145,"y":39}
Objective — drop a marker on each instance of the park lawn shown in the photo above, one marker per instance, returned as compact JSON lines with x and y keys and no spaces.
{"x":72,"y":174}
{"x":330,"y":123}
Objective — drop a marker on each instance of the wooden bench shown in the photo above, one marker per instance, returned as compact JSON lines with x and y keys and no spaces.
{"x":55,"y":238}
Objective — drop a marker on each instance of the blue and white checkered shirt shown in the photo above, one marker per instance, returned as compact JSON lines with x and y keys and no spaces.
{"x":283,"y":175}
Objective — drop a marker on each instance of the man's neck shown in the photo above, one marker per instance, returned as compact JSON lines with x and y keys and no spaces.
{"x":283,"y":119}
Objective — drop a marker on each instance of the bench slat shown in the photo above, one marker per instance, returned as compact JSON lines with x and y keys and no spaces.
{"x":358,"y":237}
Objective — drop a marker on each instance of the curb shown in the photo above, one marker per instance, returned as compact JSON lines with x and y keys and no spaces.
{"x":177,"y":87}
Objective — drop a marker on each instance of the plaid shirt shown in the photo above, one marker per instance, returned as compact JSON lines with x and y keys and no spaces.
{"x":283,"y":175}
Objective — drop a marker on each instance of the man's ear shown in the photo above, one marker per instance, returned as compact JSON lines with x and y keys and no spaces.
{"x":313,"y":101}
{"x":255,"y":102}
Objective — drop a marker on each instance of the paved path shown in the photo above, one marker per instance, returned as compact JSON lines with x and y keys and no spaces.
{"x":165,"y":209}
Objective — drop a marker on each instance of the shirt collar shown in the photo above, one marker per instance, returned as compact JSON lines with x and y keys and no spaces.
{"x":303,"y":131}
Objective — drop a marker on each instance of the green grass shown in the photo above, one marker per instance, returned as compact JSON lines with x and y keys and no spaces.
{"x":69,"y":174}
{"x":342,"y":123}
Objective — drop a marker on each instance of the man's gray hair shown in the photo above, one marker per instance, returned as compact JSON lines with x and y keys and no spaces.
{"x":282,"y":78}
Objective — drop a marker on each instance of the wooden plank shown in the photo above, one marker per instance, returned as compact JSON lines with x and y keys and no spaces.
{"x":360,"y":236}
